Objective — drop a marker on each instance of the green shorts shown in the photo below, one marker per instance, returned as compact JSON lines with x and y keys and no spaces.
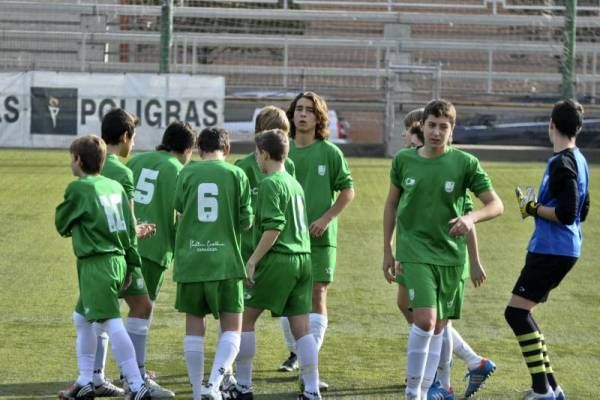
{"x":400,"y":280}
{"x":432,"y":286}
{"x":323,"y":259}
{"x":154,"y":276}
{"x":283,"y":285}
{"x":100,"y":279}
{"x":214,"y":297}
{"x":138,"y":285}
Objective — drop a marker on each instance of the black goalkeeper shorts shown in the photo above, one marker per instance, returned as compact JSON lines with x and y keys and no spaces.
{"x":541,"y":274}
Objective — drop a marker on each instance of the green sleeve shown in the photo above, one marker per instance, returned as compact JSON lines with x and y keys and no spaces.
{"x":178,"y":198}
{"x":341,"y":176}
{"x":395,"y":173}
{"x":132,"y":256}
{"x":246,"y":215}
{"x":127,"y":184}
{"x":272,"y":217}
{"x":68,"y":211}
{"x":479,"y":181}
{"x":469,"y":206}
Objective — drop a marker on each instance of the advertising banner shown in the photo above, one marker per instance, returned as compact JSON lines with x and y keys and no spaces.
{"x":49,"y":109}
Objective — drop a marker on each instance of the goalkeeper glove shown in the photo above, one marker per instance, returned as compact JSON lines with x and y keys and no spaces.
{"x":528,"y":204}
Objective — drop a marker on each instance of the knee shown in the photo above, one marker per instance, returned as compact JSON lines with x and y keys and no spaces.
{"x":512,"y":314}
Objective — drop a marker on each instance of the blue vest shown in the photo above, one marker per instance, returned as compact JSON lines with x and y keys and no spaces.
{"x":551,"y":237}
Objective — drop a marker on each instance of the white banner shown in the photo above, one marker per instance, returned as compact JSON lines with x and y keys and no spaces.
{"x":49,"y":109}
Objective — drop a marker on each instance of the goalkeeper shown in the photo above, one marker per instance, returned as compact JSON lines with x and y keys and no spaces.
{"x":555,"y":245}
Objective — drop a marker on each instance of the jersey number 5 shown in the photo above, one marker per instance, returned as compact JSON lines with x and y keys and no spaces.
{"x":208,"y":206}
{"x":144,"y":190}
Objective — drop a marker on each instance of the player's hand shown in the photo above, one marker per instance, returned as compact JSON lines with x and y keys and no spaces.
{"x":250,"y":268}
{"x":319,"y":226}
{"x":478,"y":275}
{"x":461,"y":225}
{"x":399,"y":269}
{"x":389,"y":268}
{"x":144,"y":231}
{"x":527,"y":202}
{"x":127,"y":282}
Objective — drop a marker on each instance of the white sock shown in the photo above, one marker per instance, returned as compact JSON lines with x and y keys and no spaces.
{"x":443,"y":371}
{"x":318,"y":326}
{"x":287,"y":334}
{"x":137,"y":328}
{"x":100,"y":359}
{"x":243,"y":362}
{"x":85,"y":345}
{"x":433,"y":360}
{"x":464,"y":351}
{"x":416,"y":357}
{"x":123,"y":351}
{"x":227,"y":349}
{"x":193,"y":352}
{"x":308,"y":359}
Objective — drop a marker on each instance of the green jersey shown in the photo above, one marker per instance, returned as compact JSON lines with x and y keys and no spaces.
{"x":155,"y":175}
{"x":96,"y":214}
{"x":281,"y":207}
{"x":322,"y":171}
{"x":213,"y":198}
{"x":249,"y":165}
{"x":433,"y":191}
{"x":115,"y":169}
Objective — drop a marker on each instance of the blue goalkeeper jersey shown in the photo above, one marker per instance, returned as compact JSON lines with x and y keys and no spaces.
{"x":551,"y":237}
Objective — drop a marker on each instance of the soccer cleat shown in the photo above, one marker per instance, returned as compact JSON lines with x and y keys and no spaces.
{"x":142,"y":394}
{"x":77,"y":392}
{"x":157,"y":391}
{"x":228,"y":382}
{"x":531,"y":395}
{"x":559,"y":394}
{"x":291,"y":364}
{"x":209,"y":392}
{"x":108,"y":389}
{"x":309,"y":396}
{"x":437,"y":392}
{"x":238,"y":392}
{"x":478,"y":376}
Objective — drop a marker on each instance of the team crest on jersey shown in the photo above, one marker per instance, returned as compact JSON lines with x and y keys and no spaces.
{"x":410,"y":181}
{"x":321,"y":169}
{"x":449,"y":186}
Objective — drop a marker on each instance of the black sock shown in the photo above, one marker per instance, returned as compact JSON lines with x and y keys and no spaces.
{"x":529,"y":339}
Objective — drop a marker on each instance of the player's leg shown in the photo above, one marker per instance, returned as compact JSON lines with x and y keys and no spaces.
{"x":421,"y":285}
{"x":402,"y":299}
{"x":291,"y":363}
{"x":228,"y":300}
{"x":245,"y":356}
{"x":323,"y":260}
{"x":549,"y":371}
{"x":443,"y":369}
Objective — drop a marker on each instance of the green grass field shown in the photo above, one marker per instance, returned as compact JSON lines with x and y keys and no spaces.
{"x":363,"y":355}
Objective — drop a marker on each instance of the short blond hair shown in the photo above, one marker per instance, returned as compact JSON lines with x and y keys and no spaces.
{"x":271,"y":117}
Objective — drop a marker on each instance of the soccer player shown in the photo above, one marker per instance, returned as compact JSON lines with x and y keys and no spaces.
{"x":118,"y":131}
{"x":479,"y":368}
{"x":425,"y":204}
{"x":270,"y":117}
{"x":323,"y":172}
{"x":213,"y":198}
{"x":96,"y":214}
{"x":278,"y":271}
{"x":555,"y":245}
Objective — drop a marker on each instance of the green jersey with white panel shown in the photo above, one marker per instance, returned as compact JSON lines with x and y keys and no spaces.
{"x":281,"y":206}
{"x":249,"y":165}
{"x":322,"y":171}
{"x":96,"y":213}
{"x":434,"y":191}
{"x":155,"y":176}
{"x":213,"y":198}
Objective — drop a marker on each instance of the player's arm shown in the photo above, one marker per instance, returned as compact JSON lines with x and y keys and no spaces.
{"x":320,"y":225}
{"x":492,"y":207}
{"x":67,"y":212}
{"x":477,"y":272}
{"x":563,"y":187}
{"x":389,"y":225}
{"x":267,"y":240}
